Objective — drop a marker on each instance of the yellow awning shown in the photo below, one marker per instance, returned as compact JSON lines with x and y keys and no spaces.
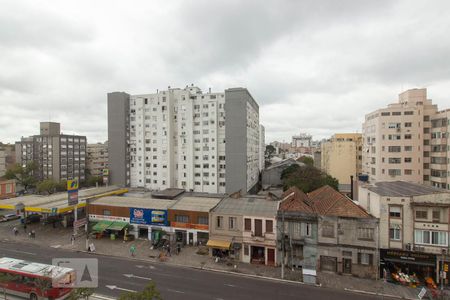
{"x":218,"y":244}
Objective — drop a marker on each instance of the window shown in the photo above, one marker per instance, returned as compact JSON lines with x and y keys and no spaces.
{"x":182,"y":218}
{"x":394,"y":233}
{"x":408,"y":172}
{"x":395,"y":211}
{"x":408,"y":148}
{"x":328,"y":230}
{"x":232,"y":223}
{"x":395,"y":160}
{"x":408,"y":124}
{"x":394,"y":172}
{"x":408,"y":113}
{"x":347,"y":253}
{"x":365,"y":234}
{"x":365,"y":259}
{"x":106,"y":212}
{"x":247,"y":224}
{"x":438,"y":238}
{"x":269,"y":226}
{"x":394,"y":149}
{"x":407,"y":136}
{"x":308,"y":229}
{"x":421,"y":214}
{"x":408,"y":159}
{"x":202,"y":220}
{"x":219,"y":222}
{"x":436,"y":216}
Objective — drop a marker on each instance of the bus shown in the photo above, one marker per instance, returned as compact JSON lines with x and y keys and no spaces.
{"x":35,"y":281}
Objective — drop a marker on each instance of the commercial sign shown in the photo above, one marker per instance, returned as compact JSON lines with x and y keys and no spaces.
{"x":72,"y":185}
{"x":73,"y":197}
{"x":407,"y":256}
{"x":189,"y":226}
{"x":107,"y":218}
{"x":146,"y":216}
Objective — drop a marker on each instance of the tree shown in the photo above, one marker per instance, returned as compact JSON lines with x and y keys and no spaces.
{"x":306,"y":178}
{"x":270,"y":151}
{"x":309,"y":161}
{"x":47,"y":186}
{"x":23,"y":175}
{"x":4,"y":279}
{"x":81,"y":293}
{"x":149,"y":293}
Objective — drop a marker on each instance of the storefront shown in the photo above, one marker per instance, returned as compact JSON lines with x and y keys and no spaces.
{"x":408,"y":268}
{"x":149,"y":223}
{"x":190,"y":234}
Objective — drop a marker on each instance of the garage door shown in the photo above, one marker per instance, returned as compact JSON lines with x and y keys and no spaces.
{"x":328,"y":263}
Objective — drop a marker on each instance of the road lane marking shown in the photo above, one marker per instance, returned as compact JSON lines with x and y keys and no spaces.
{"x":135,"y":276}
{"x":231,"y":285}
{"x":114,"y":287}
{"x":142,"y":267}
{"x":18,"y":251}
{"x":175,"y":291}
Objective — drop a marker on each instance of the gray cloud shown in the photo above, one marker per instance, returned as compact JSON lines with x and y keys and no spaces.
{"x":312,"y":66}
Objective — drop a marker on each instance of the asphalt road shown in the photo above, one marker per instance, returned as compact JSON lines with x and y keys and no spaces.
{"x":175,"y":282}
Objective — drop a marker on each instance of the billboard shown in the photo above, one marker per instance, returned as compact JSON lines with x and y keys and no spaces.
{"x":146,"y":216}
{"x":72,"y":185}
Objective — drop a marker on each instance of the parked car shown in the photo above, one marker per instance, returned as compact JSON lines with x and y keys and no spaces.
{"x":34,"y":218}
{"x":9,"y":217}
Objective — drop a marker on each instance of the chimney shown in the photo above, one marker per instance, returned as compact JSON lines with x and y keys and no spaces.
{"x":351,"y":187}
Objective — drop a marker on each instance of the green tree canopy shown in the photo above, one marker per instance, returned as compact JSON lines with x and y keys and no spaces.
{"x":306,"y":178}
{"x":309,"y":161}
{"x":149,"y":293}
{"x":23,"y":175}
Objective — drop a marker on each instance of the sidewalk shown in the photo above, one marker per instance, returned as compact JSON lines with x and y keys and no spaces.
{"x":197,"y":257}
{"x":93,"y":297}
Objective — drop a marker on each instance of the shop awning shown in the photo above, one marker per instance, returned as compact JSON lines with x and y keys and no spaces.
{"x":117,"y":225}
{"x":101,"y":226}
{"x":218,"y":244}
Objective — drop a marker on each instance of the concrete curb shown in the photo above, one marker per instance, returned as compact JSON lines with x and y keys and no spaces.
{"x":377,"y":294}
{"x":100,"y":297}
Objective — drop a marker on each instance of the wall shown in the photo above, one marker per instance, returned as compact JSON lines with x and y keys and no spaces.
{"x":193,"y":215}
{"x":118,"y":108}
{"x":117,"y":211}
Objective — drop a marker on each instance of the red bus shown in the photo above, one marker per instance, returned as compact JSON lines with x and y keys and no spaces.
{"x":35,"y":281}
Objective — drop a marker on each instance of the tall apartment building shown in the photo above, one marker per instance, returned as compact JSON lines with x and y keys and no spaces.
{"x":302,"y":140}
{"x":341,"y":156}
{"x":58,"y":156}
{"x":439,"y":160}
{"x":398,"y":144}
{"x":262,"y":141}
{"x":97,"y":158}
{"x":184,"y":138}
{"x":7,"y":157}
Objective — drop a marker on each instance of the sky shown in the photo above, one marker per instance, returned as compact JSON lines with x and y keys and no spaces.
{"x":313,"y":66}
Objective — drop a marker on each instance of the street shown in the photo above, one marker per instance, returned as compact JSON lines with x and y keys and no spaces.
{"x":120,"y":274}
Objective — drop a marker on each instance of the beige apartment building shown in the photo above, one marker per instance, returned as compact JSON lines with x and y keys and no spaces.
{"x":341,"y":156}
{"x":398,"y":144}
{"x":414,"y":225}
{"x":97,"y":158}
{"x":439,"y":150}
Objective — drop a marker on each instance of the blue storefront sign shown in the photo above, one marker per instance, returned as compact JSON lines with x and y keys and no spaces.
{"x":146,"y":216}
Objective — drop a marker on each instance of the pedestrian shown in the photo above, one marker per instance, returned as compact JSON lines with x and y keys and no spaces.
{"x":168,"y":250}
{"x":15,"y":231}
{"x":178,"y":248}
{"x":33,"y":234}
{"x":25,"y":226}
{"x":133,"y":250}
{"x":72,"y":239}
{"x":29,"y":235}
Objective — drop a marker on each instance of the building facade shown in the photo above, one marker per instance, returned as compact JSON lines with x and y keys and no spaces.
{"x":244,"y":229}
{"x":414,"y":225}
{"x":407,"y":141}
{"x":7,"y":157}
{"x":341,"y":156}
{"x":97,"y":158}
{"x":7,"y":189}
{"x":303,"y":140}
{"x":204,"y":142}
{"x":58,"y":156}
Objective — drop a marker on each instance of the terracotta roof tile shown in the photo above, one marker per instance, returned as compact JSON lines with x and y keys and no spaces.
{"x":295,"y":200}
{"x":329,"y":202}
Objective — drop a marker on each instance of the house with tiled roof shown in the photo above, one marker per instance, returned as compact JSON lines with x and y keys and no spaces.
{"x":297,"y":239}
{"x":347,"y":237}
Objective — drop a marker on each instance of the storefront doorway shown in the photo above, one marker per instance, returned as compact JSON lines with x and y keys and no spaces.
{"x":271,"y":257}
{"x":257,"y":255}
{"x":347,"y":266}
{"x":143,"y":233}
{"x":328,"y":263}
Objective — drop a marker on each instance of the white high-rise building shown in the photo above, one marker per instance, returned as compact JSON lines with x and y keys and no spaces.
{"x":183,"y":138}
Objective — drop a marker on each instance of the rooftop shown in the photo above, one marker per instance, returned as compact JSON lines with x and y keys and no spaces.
{"x":296,"y":201}
{"x":170,"y":193}
{"x":138,"y":202}
{"x":329,"y":202}
{"x":247,"y":206}
{"x":285,"y":162}
{"x":202,"y":204}
{"x":403,"y":189}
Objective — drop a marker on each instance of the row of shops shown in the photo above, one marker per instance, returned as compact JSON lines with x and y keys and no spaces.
{"x":413,"y":269}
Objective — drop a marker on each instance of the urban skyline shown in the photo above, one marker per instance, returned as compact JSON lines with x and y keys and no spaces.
{"x":330,"y":68}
